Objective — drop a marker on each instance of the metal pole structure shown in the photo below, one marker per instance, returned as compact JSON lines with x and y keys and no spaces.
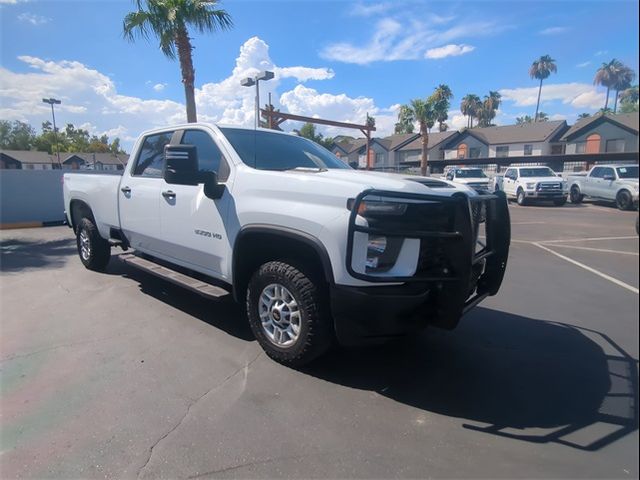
{"x":250,"y":82}
{"x":257,"y":103}
{"x":52,"y":102}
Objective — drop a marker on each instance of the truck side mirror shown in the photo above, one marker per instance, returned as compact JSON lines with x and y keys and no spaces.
{"x":212,"y":189}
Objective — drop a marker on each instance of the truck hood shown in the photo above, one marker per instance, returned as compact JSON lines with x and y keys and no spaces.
{"x":467,"y":181}
{"x":359,"y":180}
{"x":541,"y":179}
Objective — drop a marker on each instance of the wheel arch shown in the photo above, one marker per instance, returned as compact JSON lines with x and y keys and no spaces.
{"x":257,"y":244}
{"x":78,"y":210}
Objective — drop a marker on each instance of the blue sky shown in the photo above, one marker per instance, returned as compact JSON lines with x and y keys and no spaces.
{"x":334,"y":59}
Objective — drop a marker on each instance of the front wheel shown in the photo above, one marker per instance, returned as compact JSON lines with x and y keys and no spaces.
{"x":288,"y":314}
{"x":521,"y":198}
{"x":575,"y":196}
{"x":624,"y":201}
{"x":94,"y":250}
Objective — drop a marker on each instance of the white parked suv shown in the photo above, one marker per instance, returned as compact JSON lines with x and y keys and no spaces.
{"x":527,"y":184}
{"x":315,"y":250}
{"x":471,"y":177}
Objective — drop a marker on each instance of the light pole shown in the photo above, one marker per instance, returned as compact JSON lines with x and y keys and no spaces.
{"x":250,"y":82}
{"x":52,"y":101}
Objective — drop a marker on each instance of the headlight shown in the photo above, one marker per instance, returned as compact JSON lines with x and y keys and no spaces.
{"x":382,"y":253}
{"x":531,"y":186}
{"x":374,"y":208}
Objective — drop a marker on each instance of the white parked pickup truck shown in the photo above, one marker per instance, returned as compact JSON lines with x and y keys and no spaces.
{"x":471,"y":177}
{"x":527,"y":184}
{"x":613,"y":183}
{"x":314,"y":249}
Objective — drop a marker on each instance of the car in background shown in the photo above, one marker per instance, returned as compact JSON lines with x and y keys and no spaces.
{"x":471,"y":177}
{"x":527,"y":184}
{"x":612,"y":183}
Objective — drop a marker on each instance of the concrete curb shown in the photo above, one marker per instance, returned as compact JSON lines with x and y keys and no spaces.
{"x":17,"y":225}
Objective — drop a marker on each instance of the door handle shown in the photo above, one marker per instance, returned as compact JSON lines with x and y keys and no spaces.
{"x":125,"y":190}
{"x":168,"y":194}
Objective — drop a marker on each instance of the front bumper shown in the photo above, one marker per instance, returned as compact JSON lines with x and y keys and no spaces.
{"x":452,"y":275}
{"x":546,"y":195}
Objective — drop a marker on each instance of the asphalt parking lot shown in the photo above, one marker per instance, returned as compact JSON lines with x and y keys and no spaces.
{"x":123,"y":375}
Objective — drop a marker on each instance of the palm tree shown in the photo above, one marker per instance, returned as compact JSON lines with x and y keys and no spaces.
{"x":541,"y":69}
{"x":405,"y":120}
{"x":629,"y":100}
{"x":623,"y":81}
{"x":442,"y":96}
{"x":584,"y":115}
{"x":488,"y":109}
{"x":469,"y":106}
{"x":523,"y":120}
{"x":169,"y":21}
{"x":607,"y":76}
{"x":422,"y":111}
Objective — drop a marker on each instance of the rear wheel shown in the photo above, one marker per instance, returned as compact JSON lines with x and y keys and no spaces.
{"x":521,"y":197}
{"x":94,"y":251}
{"x":624,"y":200}
{"x":575,"y":196}
{"x":288,"y":314}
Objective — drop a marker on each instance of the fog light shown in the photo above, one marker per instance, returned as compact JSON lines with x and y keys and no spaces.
{"x":375,"y":249}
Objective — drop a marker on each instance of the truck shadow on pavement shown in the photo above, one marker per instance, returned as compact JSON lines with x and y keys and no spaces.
{"x":506,"y":375}
{"x":224,"y":313}
{"x":20,"y":254}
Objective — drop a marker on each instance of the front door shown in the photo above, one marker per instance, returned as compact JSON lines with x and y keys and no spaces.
{"x":139,"y":195}
{"x":192,"y":226}
{"x":509,"y":182}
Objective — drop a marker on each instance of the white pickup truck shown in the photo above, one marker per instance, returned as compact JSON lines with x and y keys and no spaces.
{"x":527,"y":184}
{"x":613,"y":183}
{"x":471,"y":177}
{"x":317,"y":251}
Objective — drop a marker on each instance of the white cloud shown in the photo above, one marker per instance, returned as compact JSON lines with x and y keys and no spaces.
{"x":158,"y":87}
{"x":393,"y":39}
{"x":553,"y":31}
{"x":90,"y":98}
{"x":368,"y":9}
{"x":583,"y":64}
{"x":33,"y":19}
{"x":578,"y":95}
{"x":600,"y":53}
{"x":12,"y":2}
{"x":450,"y":50}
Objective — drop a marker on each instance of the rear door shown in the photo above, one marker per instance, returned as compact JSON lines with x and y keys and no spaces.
{"x":192,"y":226}
{"x":139,"y":195}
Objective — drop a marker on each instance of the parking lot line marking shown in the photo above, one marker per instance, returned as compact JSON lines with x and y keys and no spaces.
{"x":587,"y":239}
{"x":604,"y":250}
{"x":620,"y":283}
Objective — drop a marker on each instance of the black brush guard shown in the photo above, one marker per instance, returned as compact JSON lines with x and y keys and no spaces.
{"x":463,"y":276}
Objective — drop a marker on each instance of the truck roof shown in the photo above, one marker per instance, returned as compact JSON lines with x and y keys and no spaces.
{"x":181,"y":126}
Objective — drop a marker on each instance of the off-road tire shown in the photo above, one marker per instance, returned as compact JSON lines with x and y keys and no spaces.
{"x":624,"y":200}
{"x":521,"y":197}
{"x":316,"y":334}
{"x":575,"y":196}
{"x":97,"y":256}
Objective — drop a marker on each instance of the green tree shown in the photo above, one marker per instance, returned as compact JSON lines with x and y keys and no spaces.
{"x":608,"y":76}
{"x":441,"y":103}
{"x":16,"y":135}
{"x":308,"y":130}
{"x":584,"y":115}
{"x":541,"y":69}
{"x":469,"y":106}
{"x":169,"y":21}
{"x":629,"y":100}
{"x":623,"y":81}
{"x":488,"y":109}
{"x":423,"y":112}
{"x":405,"y":120}
{"x":523,"y":120}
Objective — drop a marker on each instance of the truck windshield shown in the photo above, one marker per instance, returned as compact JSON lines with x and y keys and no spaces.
{"x":470,"y":173}
{"x":537,"y":172}
{"x":274,"y":151}
{"x":627,"y":172}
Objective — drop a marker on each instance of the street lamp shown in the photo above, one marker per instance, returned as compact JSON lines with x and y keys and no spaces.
{"x":52,"y":101}
{"x":250,"y":82}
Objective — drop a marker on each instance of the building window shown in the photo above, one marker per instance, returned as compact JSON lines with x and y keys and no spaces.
{"x":593,"y":143}
{"x":474,"y":152}
{"x":380,"y":159}
{"x":462,"y":150}
{"x":557,"y":149}
{"x":29,"y":166}
{"x":581,"y":147}
{"x":528,"y":149}
{"x":502,"y":151}
{"x":615,"y":146}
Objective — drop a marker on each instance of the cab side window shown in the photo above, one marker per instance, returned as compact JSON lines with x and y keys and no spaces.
{"x":210,"y":158}
{"x":150,"y":160}
{"x":597,"y":172}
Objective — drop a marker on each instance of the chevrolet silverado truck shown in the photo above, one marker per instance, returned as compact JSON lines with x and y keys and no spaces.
{"x":315,"y":250}
{"x":528,"y":184}
{"x":471,"y":177}
{"x":613,"y":183}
